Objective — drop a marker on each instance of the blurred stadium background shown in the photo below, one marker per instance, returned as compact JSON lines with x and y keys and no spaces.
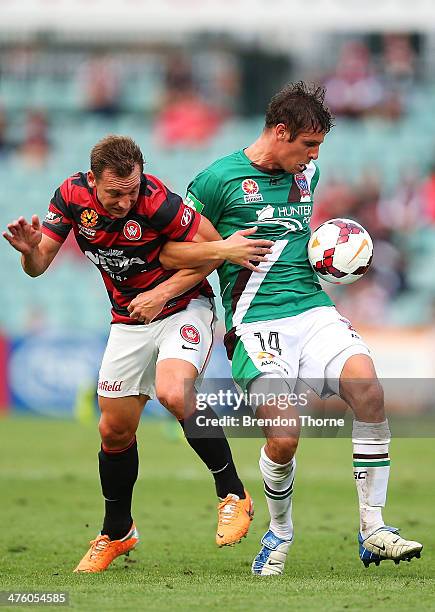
{"x":190,"y":81}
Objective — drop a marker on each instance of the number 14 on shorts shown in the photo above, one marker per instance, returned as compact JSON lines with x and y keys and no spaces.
{"x":272,"y":341}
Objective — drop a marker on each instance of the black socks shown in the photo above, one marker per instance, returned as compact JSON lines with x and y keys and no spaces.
{"x":211,"y":446}
{"x":118,"y":473}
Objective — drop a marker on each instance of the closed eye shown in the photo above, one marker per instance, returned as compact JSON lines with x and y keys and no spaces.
{"x":118,"y":194}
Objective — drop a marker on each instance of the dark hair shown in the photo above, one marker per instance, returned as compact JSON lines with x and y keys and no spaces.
{"x":118,"y":153}
{"x":301,"y":108}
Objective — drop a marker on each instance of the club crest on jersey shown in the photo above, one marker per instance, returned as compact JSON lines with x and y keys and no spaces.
{"x":132,"y":230}
{"x":89,"y":218}
{"x":302,"y":184}
{"x":251,"y":190}
{"x":186,"y":217}
{"x":189,"y":333}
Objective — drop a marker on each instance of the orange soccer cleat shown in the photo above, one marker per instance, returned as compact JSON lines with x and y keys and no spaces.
{"x":234,"y":518}
{"x":103,"y":551}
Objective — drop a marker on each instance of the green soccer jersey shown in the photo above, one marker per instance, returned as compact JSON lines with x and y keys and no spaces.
{"x":234,"y":194}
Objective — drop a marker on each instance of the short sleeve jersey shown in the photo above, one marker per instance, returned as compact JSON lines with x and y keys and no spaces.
{"x":235,"y":194}
{"x":126,"y":251}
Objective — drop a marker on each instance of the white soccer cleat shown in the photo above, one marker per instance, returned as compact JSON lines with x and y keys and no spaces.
{"x":270,"y":560}
{"x":386,"y":543}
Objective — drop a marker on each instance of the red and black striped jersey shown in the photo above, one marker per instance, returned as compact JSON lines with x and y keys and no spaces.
{"x":126,"y":251}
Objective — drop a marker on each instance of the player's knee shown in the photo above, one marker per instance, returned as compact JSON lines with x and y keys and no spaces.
{"x":115,"y":435}
{"x":281,"y":450}
{"x":173,"y":399}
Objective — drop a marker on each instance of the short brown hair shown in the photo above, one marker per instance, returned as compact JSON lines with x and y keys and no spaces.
{"x":118,"y":153}
{"x":300,"y":108}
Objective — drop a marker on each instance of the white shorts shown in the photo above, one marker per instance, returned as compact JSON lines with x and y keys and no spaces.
{"x":312,"y":347}
{"x":132,"y":351}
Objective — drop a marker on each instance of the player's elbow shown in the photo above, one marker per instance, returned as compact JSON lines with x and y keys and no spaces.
{"x":32,"y":271}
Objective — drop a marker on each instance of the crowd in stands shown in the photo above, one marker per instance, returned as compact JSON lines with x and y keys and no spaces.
{"x":184,"y":118}
{"x":361,"y":85}
{"x":33,"y":146}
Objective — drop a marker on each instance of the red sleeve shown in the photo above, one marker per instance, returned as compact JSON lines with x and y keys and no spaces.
{"x":167,"y":214}
{"x":57,"y":223}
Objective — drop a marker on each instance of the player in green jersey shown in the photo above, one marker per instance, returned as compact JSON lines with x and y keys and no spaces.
{"x":281,"y":325}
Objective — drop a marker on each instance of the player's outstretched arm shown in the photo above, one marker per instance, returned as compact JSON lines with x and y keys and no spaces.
{"x":147,"y":305}
{"x":207,"y":247}
{"x":37,"y":250}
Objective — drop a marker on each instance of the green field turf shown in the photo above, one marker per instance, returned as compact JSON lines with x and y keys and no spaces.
{"x":51,"y":506}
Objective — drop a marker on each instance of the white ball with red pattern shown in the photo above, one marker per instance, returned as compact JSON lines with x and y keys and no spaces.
{"x":340,"y":251}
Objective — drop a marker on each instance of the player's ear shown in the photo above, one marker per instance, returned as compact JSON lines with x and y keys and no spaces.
{"x":91,"y":179}
{"x":281,"y":131}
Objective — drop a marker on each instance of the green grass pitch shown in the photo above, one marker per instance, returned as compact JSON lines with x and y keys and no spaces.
{"x":51,"y":507}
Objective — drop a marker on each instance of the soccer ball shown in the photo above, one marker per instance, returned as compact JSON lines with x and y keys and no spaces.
{"x":340,"y":251}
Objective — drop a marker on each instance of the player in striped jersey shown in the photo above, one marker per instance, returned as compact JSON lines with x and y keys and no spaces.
{"x":121,"y":218}
{"x":282,"y":326}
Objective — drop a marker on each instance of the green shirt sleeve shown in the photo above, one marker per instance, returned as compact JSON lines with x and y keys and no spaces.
{"x":204,"y":194}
